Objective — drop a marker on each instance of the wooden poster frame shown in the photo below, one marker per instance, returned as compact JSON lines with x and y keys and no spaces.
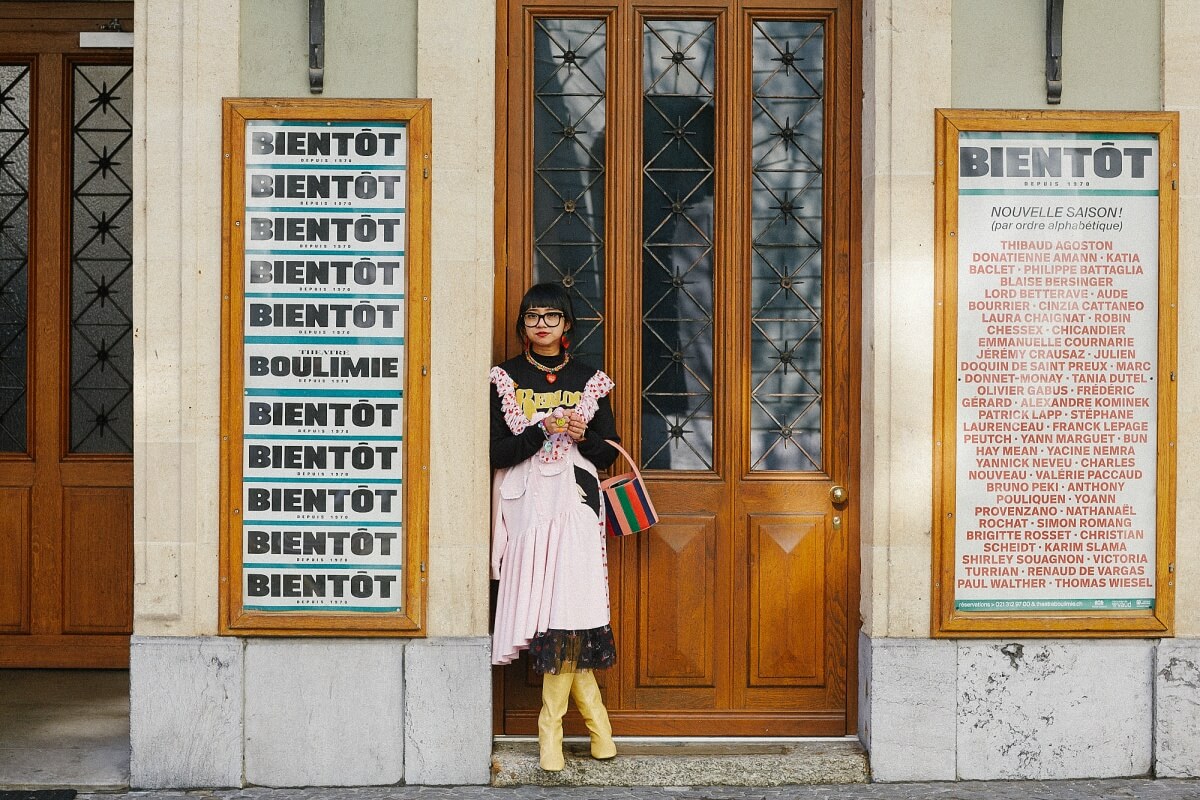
{"x":234,"y":619}
{"x":946,"y":620}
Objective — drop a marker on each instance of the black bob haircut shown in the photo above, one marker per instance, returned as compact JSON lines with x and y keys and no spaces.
{"x":545,"y":295}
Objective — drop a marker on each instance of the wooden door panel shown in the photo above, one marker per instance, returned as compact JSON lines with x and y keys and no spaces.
{"x":671,"y":611}
{"x":791,"y":618}
{"x":821,"y":683}
{"x":15,"y":531}
{"x":97,"y":560}
{"x":46,"y":562}
{"x":84,"y":471}
{"x":787,"y":609}
{"x":676,"y":634}
{"x":64,"y":651}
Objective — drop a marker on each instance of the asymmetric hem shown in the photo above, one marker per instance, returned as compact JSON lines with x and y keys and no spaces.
{"x":568,"y":651}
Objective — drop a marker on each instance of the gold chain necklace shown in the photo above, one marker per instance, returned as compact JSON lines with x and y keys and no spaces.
{"x":551,"y":377}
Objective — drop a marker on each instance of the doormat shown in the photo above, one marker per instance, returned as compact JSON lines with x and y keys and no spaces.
{"x":40,"y":794}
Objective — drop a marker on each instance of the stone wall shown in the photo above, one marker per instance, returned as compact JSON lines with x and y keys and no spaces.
{"x":1031,"y":709}
{"x":213,"y":711}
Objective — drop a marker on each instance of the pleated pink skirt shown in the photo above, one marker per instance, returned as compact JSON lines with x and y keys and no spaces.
{"x":553,"y":576}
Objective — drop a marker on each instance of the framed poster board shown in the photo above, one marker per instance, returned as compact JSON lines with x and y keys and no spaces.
{"x":1054,"y":373}
{"x":325,"y":354}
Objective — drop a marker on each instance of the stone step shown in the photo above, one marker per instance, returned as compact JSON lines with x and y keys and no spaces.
{"x":693,"y":762}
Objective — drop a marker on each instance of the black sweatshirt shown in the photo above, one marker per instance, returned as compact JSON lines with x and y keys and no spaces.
{"x":508,"y":450}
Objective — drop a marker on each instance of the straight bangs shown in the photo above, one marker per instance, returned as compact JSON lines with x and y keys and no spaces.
{"x":545,"y":295}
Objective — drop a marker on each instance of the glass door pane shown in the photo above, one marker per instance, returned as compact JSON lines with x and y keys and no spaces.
{"x":14,"y":256}
{"x":787,"y":198}
{"x":679,"y":73}
{"x":569,"y":104}
{"x":102,"y":260}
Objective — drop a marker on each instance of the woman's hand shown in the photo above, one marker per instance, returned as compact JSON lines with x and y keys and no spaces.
{"x":576,"y":427}
{"x":556,"y":421}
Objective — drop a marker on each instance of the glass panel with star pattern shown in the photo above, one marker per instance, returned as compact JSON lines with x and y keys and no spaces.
{"x":101,"y":260}
{"x":678,"y":151}
{"x":786,"y":308}
{"x":569,"y":104}
{"x":14,"y":256}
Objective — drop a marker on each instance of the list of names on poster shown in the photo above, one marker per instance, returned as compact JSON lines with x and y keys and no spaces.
{"x":324,"y":311}
{"x":1057,"y":356}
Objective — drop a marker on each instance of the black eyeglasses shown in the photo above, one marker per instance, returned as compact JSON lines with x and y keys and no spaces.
{"x":551,"y":318}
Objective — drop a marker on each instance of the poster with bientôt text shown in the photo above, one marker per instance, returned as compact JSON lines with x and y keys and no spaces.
{"x":326,"y":348}
{"x":1053,"y":372}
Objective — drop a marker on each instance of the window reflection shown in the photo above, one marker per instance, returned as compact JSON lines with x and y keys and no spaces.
{"x":787,"y":314}
{"x":102,"y":260}
{"x":14,"y":251}
{"x":678,"y":131}
{"x":569,"y":170}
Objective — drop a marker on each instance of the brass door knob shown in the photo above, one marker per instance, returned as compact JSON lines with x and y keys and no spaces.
{"x":838,"y":495}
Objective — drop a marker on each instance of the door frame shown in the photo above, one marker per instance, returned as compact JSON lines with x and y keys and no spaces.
{"x":510,"y":284}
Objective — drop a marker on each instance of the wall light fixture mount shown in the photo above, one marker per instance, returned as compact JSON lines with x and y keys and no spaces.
{"x":1054,"y":51}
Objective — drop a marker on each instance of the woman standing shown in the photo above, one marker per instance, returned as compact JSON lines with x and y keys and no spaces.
{"x":551,"y":416}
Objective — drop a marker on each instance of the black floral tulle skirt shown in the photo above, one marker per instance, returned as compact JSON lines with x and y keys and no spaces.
{"x":558,"y":651}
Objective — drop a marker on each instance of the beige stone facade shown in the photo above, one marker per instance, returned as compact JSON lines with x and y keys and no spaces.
{"x":191,"y":53}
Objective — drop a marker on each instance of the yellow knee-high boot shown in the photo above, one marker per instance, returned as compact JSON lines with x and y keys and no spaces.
{"x":586,"y":692}
{"x":556,"y":690}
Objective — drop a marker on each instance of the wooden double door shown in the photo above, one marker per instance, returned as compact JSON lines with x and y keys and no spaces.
{"x":66,"y":338}
{"x":689,"y":173}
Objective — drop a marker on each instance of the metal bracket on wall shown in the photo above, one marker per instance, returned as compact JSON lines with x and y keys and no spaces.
{"x":1054,"y":22}
{"x":316,"y":46}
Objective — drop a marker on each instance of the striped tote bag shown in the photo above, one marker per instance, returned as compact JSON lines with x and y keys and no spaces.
{"x":627,"y":506}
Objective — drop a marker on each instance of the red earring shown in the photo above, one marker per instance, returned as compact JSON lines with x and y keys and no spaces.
{"x":566,"y":343}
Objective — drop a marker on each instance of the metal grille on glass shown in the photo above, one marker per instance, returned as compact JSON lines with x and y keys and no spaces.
{"x":678,"y":125}
{"x":786,"y":322}
{"x":568,"y":170}
{"x":14,"y":255}
{"x":101,"y":260}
